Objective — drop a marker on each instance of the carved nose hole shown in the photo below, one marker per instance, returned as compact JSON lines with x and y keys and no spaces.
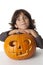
{"x":19,"y":47}
{"x":11,"y":44}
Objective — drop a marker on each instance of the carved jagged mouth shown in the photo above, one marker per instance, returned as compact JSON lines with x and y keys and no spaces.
{"x":23,"y":54}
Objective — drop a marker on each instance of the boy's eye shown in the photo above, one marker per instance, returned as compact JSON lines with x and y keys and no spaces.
{"x":18,"y":19}
{"x":25,"y":17}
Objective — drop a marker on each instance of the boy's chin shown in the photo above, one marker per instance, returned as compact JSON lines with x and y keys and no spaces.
{"x":23,"y":28}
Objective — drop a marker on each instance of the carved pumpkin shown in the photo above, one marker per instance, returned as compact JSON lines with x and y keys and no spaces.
{"x":20,"y":46}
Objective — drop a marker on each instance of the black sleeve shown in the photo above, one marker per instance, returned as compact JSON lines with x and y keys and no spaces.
{"x":3,"y":35}
{"x":39,"y":41}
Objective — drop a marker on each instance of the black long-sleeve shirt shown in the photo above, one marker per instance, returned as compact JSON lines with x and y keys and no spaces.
{"x":4,"y":35}
{"x":39,"y":40}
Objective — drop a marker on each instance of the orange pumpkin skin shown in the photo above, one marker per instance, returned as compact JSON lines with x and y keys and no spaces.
{"x":20,"y":46}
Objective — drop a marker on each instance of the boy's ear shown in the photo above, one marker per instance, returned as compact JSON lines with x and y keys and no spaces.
{"x":15,"y":25}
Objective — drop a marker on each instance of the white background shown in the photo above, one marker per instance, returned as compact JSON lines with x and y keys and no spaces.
{"x":7,"y":8}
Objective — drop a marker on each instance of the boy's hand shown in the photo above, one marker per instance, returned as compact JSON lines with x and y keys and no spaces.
{"x":33,"y":32}
{"x":13,"y":31}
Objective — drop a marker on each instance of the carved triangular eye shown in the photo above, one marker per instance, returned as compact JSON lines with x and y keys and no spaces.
{"x":12,"y":43}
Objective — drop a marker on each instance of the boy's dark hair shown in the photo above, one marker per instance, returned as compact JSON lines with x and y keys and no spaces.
{"x":15,"y":16}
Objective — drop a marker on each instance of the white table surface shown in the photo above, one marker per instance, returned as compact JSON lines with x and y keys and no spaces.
{"x":36,"y":60}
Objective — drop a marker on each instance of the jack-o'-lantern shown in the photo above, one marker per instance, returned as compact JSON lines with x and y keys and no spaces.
{"x":20,"y":46}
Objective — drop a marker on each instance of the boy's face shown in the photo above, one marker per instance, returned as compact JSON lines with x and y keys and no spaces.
{"x":22,"y":22}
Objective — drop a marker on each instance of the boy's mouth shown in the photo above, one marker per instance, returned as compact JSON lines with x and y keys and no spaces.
{"x":22,"y":24}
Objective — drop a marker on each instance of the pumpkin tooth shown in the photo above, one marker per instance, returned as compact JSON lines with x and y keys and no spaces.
{"x":16,"y":54}
{"x":20,"y":53}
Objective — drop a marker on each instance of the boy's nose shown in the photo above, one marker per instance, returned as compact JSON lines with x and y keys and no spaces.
{"x":23,"y":20}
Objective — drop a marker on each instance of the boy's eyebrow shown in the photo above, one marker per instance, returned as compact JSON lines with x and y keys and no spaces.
{"x":18,"y":17}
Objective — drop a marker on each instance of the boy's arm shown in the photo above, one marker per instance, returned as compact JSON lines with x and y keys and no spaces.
{"x":38,"y":38}
{"x":39,"y":41}
{"x":3,"y":35}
